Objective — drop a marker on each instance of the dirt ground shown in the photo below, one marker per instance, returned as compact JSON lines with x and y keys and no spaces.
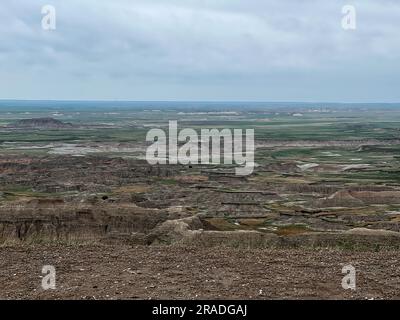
{"x":171,"y":272}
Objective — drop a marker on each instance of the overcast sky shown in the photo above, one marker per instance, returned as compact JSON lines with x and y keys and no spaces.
{"x":261,"y":50}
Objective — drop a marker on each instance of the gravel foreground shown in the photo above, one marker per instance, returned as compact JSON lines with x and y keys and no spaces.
{"x":171,"y":272}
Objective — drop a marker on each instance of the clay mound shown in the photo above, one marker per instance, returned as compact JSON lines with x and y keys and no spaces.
{"x":377,"y":197}
{"x":172,"y":231}
{"x":186,"y":232}
{"x":342,"y":195}
{"x":342,"y":198}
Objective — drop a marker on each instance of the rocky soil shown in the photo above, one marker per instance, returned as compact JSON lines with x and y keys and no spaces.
{"x":171,"y":272}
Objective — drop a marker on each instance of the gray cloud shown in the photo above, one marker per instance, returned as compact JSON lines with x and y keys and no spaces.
{"x":201,"y":50}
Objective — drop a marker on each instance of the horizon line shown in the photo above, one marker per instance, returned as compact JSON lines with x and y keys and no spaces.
{"x":193,"y":101}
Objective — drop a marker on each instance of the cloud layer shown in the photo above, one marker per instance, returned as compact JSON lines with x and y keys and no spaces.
{"x":286,"y":50}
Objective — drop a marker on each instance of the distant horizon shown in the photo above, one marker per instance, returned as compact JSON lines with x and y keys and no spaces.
{"x":198,"y":101}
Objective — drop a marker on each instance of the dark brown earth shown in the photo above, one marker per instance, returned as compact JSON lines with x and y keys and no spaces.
{"x":174,"y":272}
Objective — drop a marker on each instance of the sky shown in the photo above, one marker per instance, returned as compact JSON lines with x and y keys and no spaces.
{"x":222,"y":50}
